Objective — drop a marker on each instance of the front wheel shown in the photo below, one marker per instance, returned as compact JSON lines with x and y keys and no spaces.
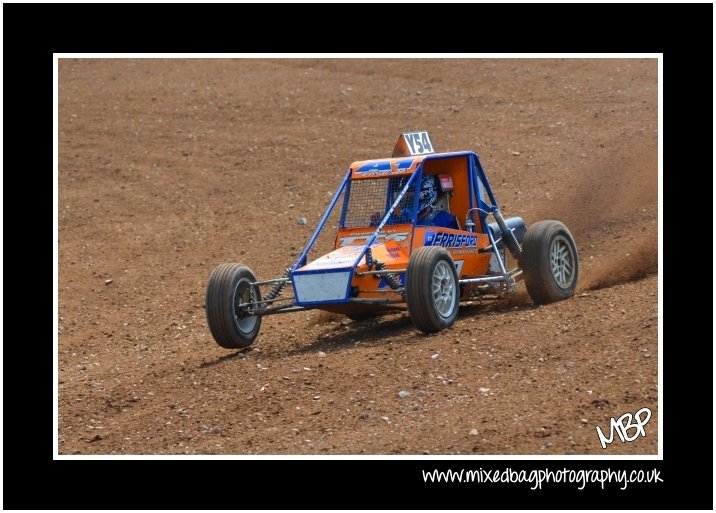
{"x":230,"y":321}
{"x":431,"y":289}
{"x":550,"y":262}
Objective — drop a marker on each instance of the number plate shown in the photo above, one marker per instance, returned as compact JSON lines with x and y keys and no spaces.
{"x":418,"y":143}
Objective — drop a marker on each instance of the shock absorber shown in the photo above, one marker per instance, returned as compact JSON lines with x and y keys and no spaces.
{"x":391,"y":278}
{"x":277,"y":287}
{"x":507,"y":235}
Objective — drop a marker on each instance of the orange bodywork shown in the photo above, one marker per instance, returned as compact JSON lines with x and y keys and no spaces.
{"x":395,"y":242}
{"x":393,"y":248}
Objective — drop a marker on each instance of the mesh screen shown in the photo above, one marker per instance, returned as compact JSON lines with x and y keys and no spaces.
{"x":369,"y":200}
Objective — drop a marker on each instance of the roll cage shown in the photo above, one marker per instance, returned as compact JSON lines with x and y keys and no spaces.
{"x":477,"y":202}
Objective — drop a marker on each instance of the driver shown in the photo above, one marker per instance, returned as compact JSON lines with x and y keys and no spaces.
{"x":428,"y":215}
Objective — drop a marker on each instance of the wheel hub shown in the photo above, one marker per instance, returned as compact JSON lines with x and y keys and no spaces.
{"x":561,"y":257}
{"x":443,"y":289}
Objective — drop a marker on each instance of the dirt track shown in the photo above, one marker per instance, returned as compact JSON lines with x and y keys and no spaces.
{"x":168,"y":168}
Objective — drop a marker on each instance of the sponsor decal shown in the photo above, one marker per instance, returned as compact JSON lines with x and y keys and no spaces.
{"x":403,"y":165}
{"x":384,"y":167}
{"x":375,"y":169}
{"x":393,"y":251}
{"x":397,"y":237}
{"x":450,"y":240}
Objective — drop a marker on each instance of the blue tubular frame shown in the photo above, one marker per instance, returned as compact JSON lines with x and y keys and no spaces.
{"x":304,"y":255}
{"x":471,"y":183}
{"x":344,"y":208}
{"x":485,"y":184}
{"x":302,"y":260}
{"x":477,"y":177}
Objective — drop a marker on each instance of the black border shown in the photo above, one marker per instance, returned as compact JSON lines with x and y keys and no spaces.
{"x":32,"y":480}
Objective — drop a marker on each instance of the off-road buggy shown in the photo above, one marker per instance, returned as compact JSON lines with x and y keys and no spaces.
{"x":384,"y":259}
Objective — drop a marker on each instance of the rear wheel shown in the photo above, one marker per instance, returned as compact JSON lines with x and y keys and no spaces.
{"x":550,"y":262}
{"x":432,"y":289}
{"x":229,"y":287}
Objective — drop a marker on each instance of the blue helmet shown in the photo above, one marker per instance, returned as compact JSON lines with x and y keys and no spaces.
{"x":428,"y":196}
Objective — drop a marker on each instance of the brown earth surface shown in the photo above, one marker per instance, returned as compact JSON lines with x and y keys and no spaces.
{"x":168,"y":168}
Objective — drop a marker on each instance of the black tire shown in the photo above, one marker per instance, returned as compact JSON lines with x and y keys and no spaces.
{"x":229,"y":285}
{"x":550,"y":262}
{"x":432,"y":290}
